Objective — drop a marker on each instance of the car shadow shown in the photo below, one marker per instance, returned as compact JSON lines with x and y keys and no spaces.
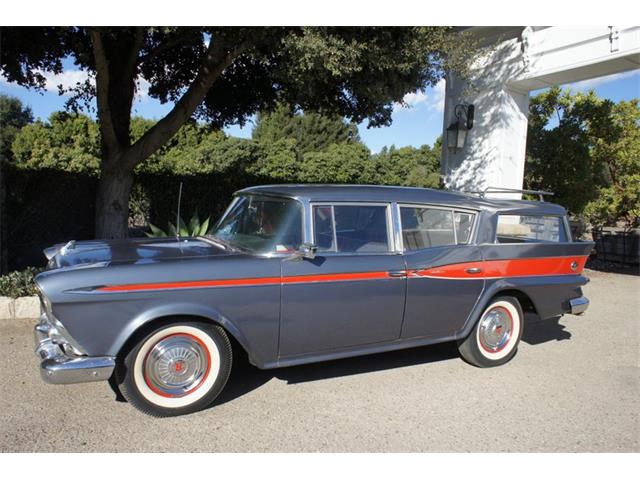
{"x":246,"y":378}
{"x":537,"y":331}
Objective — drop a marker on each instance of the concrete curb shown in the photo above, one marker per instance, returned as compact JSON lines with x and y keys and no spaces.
{"x":22,"y":308}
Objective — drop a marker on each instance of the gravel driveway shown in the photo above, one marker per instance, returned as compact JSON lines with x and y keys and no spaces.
{"x":574,"y":386}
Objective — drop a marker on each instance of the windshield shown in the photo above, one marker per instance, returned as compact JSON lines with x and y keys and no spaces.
{"x":261,"y":224}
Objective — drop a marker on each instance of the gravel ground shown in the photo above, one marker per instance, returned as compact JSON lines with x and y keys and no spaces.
{"x":574,"y":386}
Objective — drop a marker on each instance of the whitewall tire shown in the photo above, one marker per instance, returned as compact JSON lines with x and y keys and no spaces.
{"x":176,"y":368}
{"x":495,"y":337}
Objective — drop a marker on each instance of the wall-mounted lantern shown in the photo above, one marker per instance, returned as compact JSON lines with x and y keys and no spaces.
{"x":457,"y":131}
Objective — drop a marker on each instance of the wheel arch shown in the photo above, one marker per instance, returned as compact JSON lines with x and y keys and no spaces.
{"x":139,"y":326}
{"x":498,"y":289}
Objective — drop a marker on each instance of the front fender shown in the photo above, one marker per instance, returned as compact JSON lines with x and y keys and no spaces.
{"x":175,"y":310}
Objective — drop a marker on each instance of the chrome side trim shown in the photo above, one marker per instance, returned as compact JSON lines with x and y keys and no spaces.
{"x":578,"y":305}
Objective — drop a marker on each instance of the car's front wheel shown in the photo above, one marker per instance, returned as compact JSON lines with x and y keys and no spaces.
{"x":176,"y":369}
{"x":494,"y":339}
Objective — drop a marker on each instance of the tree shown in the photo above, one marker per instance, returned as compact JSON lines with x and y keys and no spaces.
{"x":68,"y":142}
{"x":619,"y":199}
{"x":13,"y":116}
{"x":410,"y":166}
{"x":340,"y":163}
{"x":591,"y":158}
{"x":223,"y":76}
{"x":311,"y":131}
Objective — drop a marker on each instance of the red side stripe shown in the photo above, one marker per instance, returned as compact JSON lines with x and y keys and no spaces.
{"x":521,"y":267}
{"x":242,"y":282}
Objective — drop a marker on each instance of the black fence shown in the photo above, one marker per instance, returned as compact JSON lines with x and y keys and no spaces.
{"x":617,"y":246}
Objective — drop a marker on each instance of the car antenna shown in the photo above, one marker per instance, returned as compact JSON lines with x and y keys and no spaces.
{"x":178,"y":213}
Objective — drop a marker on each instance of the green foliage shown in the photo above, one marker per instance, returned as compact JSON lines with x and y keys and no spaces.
{"x":67,"y":142}
{"x":340,"y":163}
{"x":13,"y":116}
{"x":70,"y":143}
{"x":195,"y":228}
{"x":590,"y":159}
{"x":312,"y":131}
{"x":620,"y":155}
{"x":409,"y":166}
{"x":19,"y":283}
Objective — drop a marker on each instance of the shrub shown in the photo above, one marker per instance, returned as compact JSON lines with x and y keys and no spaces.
{"x":19,"y":283}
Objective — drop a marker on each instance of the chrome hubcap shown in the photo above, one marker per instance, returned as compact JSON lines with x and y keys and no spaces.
{"x":176,"y":365}
{"x":495,"y":329}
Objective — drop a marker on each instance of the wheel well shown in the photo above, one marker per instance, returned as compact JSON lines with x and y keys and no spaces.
{"x":525,"y":301}
{"x":145,"y":328}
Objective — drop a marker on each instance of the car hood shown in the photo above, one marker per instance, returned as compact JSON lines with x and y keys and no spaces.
{"x":136,"y":250}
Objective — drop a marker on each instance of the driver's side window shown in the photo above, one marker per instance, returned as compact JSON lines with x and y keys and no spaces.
{"x":351,"y":228}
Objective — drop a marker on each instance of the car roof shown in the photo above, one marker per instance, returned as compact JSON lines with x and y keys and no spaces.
{"x":381,"y":193}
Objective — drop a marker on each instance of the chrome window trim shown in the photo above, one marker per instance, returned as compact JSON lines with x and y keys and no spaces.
{"x":389,"y":221}
{"x":452,"y":210}
{"x":304,"y":233}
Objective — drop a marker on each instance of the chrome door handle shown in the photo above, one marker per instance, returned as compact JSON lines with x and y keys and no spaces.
{"x":397,"y":273}
{"x":473,"y":270}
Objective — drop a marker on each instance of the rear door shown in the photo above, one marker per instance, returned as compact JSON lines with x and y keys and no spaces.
{"x":441,"y":263}
{"x":353,"y":292}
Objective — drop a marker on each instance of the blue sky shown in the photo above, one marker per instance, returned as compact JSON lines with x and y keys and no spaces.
{"x":417,"y":123}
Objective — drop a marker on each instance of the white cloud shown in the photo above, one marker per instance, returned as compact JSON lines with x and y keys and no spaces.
{"x":72,"y":78}
{"x":142,"y":86}
{"x":432,"y":99}
{"x":68,"y":79}
{"x":594,"y":82}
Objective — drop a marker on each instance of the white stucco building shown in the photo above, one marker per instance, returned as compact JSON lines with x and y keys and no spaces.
{"x":522,"y":59}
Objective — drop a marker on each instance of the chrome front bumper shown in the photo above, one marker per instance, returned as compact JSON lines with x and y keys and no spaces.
{"x":578,"y":305}
{"x":61,"y":362}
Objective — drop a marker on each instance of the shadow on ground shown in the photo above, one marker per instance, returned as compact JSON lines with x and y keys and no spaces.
{"x":245,"y":377}
{"x":538,"y":331}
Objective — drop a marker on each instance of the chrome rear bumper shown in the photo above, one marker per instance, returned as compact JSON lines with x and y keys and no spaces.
{"x":60,"y":363}
{"x":578,"y":305}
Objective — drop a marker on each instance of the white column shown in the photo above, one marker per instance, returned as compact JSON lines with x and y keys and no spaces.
{"x":494,"y":151}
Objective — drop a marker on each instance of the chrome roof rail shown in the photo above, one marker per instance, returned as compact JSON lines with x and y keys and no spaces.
{"x":483,"y":193}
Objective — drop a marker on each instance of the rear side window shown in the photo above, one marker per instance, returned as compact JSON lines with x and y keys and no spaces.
{"x":530,"y":229}
{"x":351,"y":228}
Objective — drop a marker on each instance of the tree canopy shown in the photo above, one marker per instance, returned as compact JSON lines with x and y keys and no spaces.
{"x":13,"y":116}
{"x":587,"y":150}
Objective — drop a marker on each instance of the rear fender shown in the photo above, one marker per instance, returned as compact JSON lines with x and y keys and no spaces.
{"x":550,"y":296}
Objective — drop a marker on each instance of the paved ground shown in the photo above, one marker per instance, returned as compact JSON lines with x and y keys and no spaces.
{"x":574,"y":386}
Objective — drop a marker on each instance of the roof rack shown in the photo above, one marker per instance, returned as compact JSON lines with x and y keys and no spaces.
{"x":540,"y":193}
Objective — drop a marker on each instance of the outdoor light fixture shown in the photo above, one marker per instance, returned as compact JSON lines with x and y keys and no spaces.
{"x":457,"y":131}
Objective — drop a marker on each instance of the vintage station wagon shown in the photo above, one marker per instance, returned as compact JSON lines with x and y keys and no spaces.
{"x":293,"y":274}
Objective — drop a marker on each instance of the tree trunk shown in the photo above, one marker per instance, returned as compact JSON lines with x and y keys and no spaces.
{"x":112,"y":203}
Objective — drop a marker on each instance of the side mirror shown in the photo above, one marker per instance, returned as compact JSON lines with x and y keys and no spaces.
{"x":306,"y":250}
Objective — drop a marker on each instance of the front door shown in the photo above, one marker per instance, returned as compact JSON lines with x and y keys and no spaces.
{"x":353,"y":292}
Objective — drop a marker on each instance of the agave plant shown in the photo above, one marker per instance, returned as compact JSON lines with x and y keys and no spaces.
{"x":195,"y":228}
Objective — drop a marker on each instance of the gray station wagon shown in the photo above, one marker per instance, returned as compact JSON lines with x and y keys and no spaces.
{"x":294,"y":274}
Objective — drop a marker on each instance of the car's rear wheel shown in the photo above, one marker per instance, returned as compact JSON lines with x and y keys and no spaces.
{"x":176,"y":369}
{"x":495,"y":337}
